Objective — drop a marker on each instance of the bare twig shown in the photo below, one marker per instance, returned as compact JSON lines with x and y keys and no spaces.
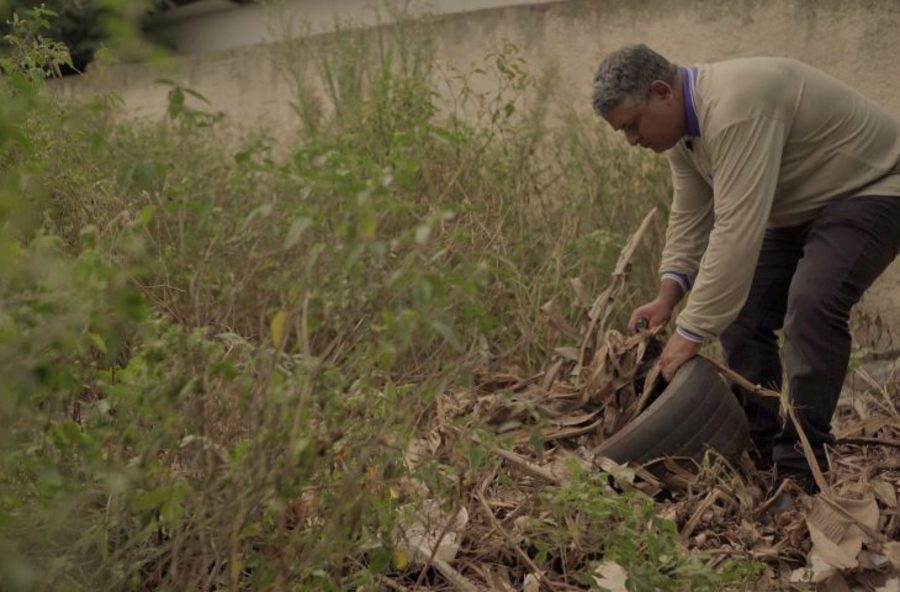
{"x":711,"y":498}
{"x":874,"y":441}
{"x":739,"y":380}
{"x":486,"y":509}
{"x":572,"y":432}
{"x":527,"y":467}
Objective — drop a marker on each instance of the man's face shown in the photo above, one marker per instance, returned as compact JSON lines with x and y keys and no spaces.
{"x":657,"y":123}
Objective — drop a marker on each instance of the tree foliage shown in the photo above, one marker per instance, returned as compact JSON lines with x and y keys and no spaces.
{"x":83,"y":25}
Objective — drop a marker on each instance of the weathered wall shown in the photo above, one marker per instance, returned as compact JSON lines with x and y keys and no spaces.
{"x":855,"y":41}
{"x":214,"y":25}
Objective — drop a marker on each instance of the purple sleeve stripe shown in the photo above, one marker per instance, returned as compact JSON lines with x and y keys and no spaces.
{"x":681,"y":278}
{"x":688,"y":79}
{"x":689,"y":335}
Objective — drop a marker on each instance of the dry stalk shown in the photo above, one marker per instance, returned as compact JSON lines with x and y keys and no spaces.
{"x":649,"y":386}
{"x":601,"y":304}
{"x":529,"y":468}
{"x":881,"y":389}
{"x":711,"y":498}
{"x":486,"y":509}
{"x":572,"y":432}
{"x":757,"y":389}
{"x":874,"y":441}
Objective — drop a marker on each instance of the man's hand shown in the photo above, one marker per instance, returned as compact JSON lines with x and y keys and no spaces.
{"x":678,"y":350}
{"x":656,"y":313}
{"x":659,"y":311}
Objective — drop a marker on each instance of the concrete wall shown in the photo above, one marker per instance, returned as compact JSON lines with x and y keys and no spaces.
{"x":855,"y":41}
{"x":215,"y":25}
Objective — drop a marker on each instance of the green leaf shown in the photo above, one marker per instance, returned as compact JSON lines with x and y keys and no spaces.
{"x":149,"y":175}
{"x":146,"y":215}
{"x":447,"y":333}
{"x":176,"y":102}
{"x":98,"y":342}
{"x":295,"y":232}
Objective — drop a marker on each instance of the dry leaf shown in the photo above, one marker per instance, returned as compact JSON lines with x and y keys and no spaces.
{"x":835,"y":583}
{"x":497,"y":578}
{"x":558,"y":321}
{"x":870,"y":560}
{"x":419,"y":535}
{"x":531,"y":583}
{"x":886,"y":493}
{"x":612,"y":576}
{"x":820,"y":569}
{"x":621,"y":473}
{"x":568,"y":353}
{"x":836,"y":538}
{"x":834,"y":554}
{"x":581,"y":295}
{"x":892,"y":552}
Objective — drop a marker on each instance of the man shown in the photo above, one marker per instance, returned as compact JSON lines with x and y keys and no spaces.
{"x":786,"y":208}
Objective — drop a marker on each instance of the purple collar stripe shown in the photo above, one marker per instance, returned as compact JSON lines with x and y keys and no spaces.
{"x":688,"y":78}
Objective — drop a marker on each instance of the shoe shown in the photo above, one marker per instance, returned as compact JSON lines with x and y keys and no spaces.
{"x":803,"y":479}
{"x":761,"y":455}
{"x":787,"y":489}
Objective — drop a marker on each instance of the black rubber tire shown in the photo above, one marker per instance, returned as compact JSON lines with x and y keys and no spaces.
{"x":695,"y":412}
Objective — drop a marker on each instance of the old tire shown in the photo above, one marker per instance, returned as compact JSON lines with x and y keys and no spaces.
{"x":695,"y":412}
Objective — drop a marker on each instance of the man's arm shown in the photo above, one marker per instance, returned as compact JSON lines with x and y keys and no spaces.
{"x":746,"y":159}
{"x":690,"y":220}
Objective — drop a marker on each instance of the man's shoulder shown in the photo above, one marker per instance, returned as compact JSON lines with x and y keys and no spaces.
{"x":746,"y":88}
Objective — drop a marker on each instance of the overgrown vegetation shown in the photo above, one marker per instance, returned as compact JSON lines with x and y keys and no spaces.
{"x":212,"y":357}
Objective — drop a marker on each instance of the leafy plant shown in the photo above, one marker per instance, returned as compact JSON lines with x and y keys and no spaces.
{"x":31,"y":53}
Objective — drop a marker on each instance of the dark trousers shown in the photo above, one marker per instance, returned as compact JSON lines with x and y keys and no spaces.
{"x":807,"y":280}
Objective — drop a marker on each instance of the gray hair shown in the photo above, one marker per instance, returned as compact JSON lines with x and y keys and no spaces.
{"x":625,"y":75}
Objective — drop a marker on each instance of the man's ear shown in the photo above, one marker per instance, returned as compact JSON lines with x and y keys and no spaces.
{"x":661,"y":89}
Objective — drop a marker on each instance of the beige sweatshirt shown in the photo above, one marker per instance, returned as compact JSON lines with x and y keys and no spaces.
{"x":777,"y":141}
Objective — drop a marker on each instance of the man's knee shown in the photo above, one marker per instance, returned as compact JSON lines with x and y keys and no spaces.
{"x":816,"y":305}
